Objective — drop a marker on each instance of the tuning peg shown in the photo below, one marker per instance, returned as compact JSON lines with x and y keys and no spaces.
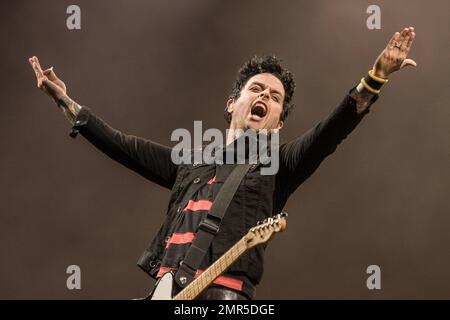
{"x":283,"y":214}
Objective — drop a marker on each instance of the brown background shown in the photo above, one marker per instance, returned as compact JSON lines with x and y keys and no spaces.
{"x":148,"y":67}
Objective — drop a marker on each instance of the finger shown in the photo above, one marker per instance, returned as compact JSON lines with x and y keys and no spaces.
{"x":402,"y":36}
{"x":49,"y":84}
{"x":36,"y":61}
{"x":406,"y":36}
{"x":37,"y":71}
{"x":393,"y":40}
{"x":52,"y":89}
{"x":397,"y":41}
{"x":30,"y":60}
{"x":33,"y":66}
{"x":40,"y":83}
{"x":46,"y":71}
{"x":404,"y":44}
{"x":36,"y":66}
{"x":408,"y":62}
{"x":410,"y":42}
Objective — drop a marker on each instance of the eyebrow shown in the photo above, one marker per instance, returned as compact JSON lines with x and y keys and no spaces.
{"x":264,"y":86}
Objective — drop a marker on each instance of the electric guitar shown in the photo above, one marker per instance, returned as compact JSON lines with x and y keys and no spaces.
{"x":263,"y":232}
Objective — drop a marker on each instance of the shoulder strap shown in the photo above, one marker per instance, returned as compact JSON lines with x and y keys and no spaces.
{"x":209,"y":227}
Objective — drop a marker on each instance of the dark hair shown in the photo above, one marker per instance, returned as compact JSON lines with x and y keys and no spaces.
{"x":265,"y":64}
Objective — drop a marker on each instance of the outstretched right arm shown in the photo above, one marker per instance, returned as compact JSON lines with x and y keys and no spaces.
{"x":149,"y":159}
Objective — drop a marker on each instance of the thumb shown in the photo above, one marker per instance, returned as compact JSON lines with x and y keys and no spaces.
{"x":408,"y":62}
{"x":51,"y":75}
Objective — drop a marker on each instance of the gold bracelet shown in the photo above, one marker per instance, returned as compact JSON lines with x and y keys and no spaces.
{"x":377,"y":79}
{"x":369,"y":88}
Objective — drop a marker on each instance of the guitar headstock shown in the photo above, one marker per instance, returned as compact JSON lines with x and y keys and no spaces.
{"x":265,"y":230}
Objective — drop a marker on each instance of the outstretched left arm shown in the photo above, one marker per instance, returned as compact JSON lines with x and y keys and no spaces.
{"x":391,"y":59}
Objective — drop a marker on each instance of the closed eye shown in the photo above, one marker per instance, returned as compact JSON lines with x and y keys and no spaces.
{"x":276,"y":98}
{"x":255,"y":88}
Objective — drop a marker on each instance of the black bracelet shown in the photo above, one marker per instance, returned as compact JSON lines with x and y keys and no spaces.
{"x":372,"y":83}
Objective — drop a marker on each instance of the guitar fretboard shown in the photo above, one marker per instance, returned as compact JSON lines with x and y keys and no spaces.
{"x":214,"y":271}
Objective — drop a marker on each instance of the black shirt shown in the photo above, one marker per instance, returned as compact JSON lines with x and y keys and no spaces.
{"x":257,"y":198}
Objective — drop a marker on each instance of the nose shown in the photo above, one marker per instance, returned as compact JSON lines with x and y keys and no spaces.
{"x":265,"y":94}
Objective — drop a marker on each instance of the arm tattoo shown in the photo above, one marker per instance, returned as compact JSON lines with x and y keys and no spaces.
{"x":70,"y":108}
{"x":363,"y":98}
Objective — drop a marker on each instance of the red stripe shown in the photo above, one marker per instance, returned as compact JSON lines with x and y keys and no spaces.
{"x":163,"y":270}
{"x":198,"y":205}
{"x":225,"y":281}
{"x":181,"y":238}
{"x":222,"y":280}
{"x":213,"y":179}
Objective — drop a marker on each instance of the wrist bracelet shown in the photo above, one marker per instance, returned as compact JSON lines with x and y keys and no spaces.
{"x":369,"y":88}
{"x":372,"y":83}
{"x":375,"y":78}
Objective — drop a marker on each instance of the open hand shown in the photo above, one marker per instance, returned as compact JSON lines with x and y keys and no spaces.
{"x":394,"y":56}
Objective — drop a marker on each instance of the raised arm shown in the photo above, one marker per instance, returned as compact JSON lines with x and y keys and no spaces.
{"x":149,"y":159}
{"x":301,"y":157}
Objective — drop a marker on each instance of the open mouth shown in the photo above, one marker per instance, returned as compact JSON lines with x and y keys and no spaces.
{"x":259,"y":110}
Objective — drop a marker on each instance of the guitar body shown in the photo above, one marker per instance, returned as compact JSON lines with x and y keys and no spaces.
{"x":164,"y":287}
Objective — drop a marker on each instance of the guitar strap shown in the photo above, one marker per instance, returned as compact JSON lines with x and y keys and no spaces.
{"x":209,"y":227}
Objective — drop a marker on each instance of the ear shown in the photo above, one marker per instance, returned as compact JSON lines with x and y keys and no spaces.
{"x":280,"y":125}
{"x":230,"y":105}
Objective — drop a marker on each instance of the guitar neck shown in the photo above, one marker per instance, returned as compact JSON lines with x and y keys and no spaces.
{"x":215,"y":270}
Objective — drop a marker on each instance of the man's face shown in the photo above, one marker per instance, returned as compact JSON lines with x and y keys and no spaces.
{"x":259,"y":105}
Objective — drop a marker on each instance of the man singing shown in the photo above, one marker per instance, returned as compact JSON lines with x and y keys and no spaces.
{"x":260,"y":99}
